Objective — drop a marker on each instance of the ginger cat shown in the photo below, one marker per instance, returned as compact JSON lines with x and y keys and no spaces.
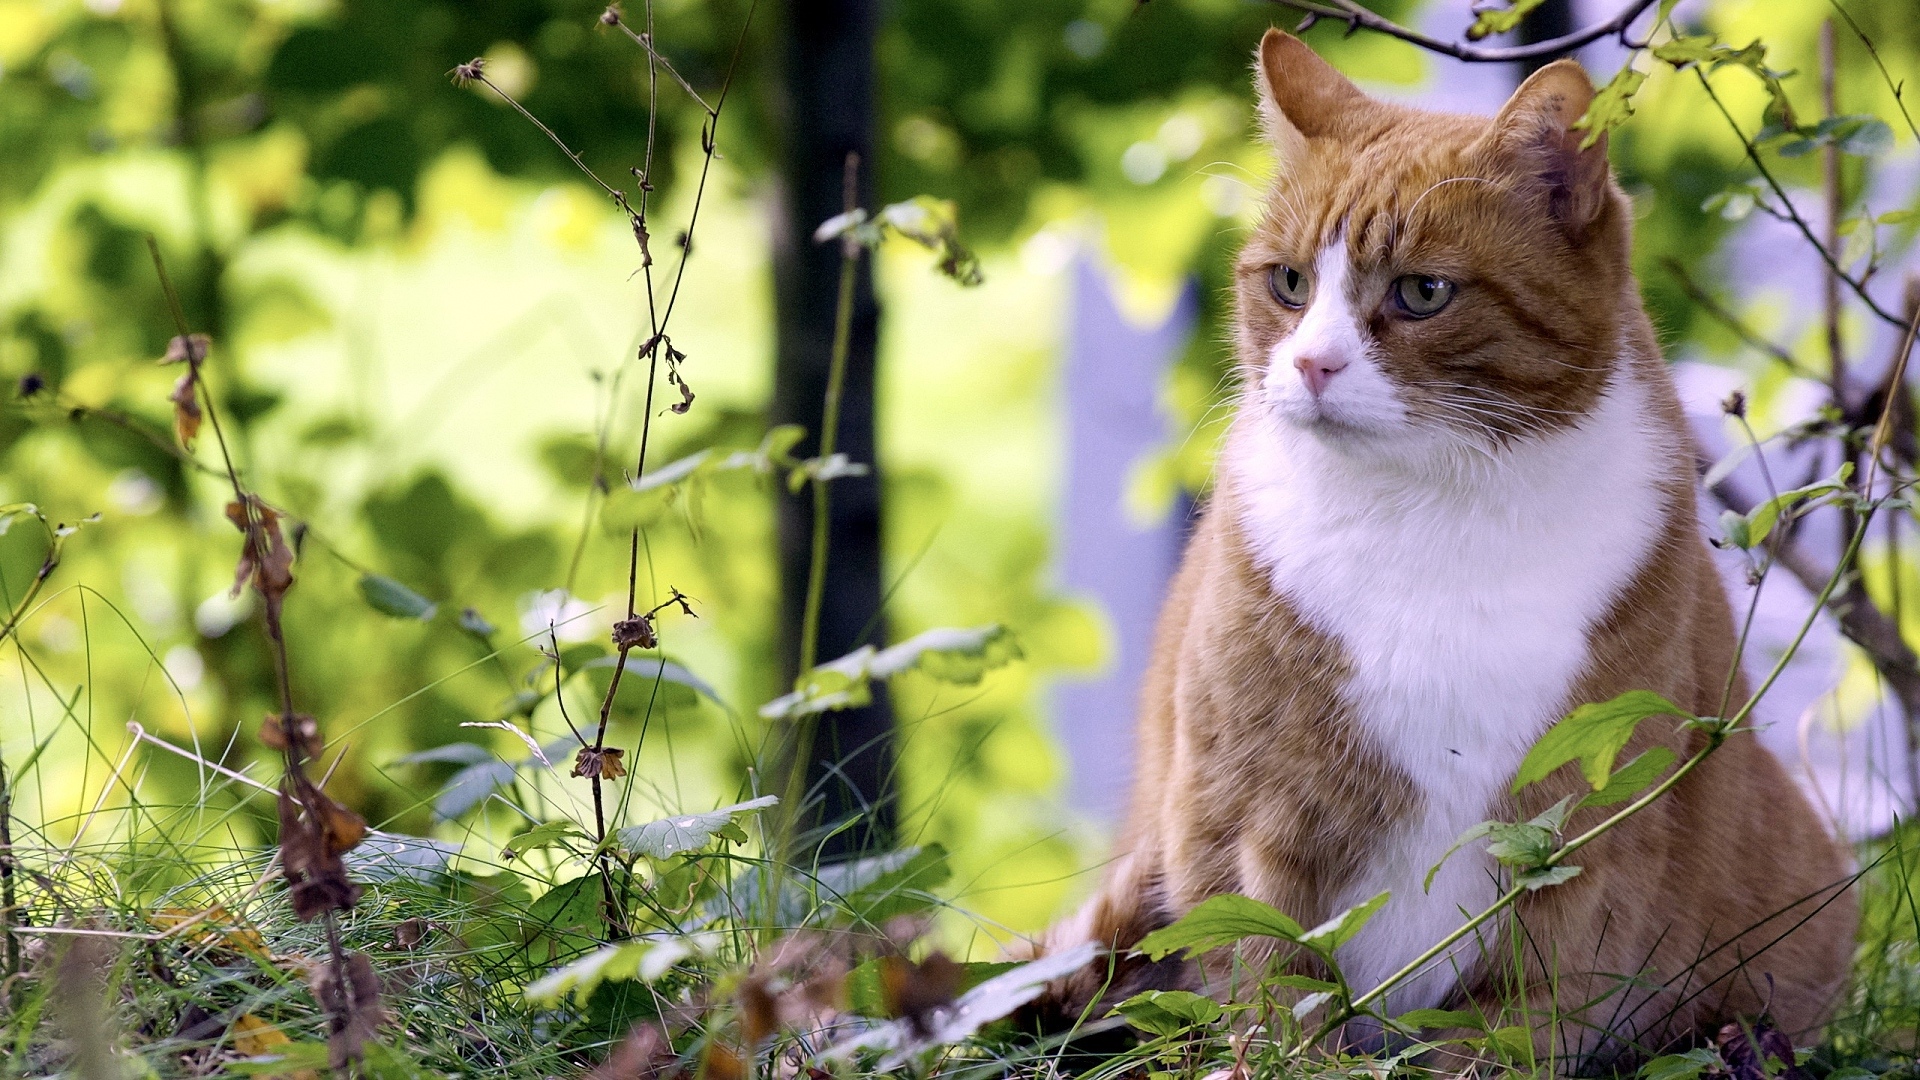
{"x":1457,"y":501}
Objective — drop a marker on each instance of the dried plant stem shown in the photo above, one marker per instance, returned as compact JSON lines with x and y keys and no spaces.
{"x":7,"y":898}
{"x":338,"y":1020}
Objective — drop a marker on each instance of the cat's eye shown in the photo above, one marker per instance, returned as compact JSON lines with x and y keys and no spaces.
{"x":1421,"y":296}
{"x":1289,"y":286}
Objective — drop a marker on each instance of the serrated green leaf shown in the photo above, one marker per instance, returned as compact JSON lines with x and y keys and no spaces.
{"x":1217,"y":921}
{"x":1337,"y":931}
{"x":1632,"y":778}
{"x":1611,"y":107}
{"x":389,"y":597}
{"x":1592,"y":735}
{"x":1168,"y":1012}
{"x":671,"y":836}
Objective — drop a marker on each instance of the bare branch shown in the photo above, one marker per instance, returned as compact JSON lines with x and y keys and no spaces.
{"x":1359,"y":18}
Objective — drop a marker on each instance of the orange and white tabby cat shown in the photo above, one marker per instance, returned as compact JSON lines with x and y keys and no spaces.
{"x":1456,"y":502}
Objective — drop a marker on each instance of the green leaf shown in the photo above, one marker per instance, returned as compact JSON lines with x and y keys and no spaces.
{"x":1761,"y":520}
{"x":1168,"y":1012}
{"x":540,"y":836}
{"x":641,"y":958}
{"x":1219,"y":920}
{"x":671,"y":836}
{"x":1632,"y":778}
{"x":389,"y":597}
{"x":1340,"y":929}
{"x":948,"y":654}
{"x":1500,"y":20}
{"x":1301,"y":982}
{"x":1898,"y":217}
{"x":1611,"y":107}
{"x":1687,"y":1066}
{"x":1733,"y":204}
{"x":1592,"y":734}
{"x":1309,"y":1003}
{"x":1540,"y":877}
{"x":1431,"y":1019}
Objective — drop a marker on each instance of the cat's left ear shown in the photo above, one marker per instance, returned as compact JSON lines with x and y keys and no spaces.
{"x":1535,"y":132}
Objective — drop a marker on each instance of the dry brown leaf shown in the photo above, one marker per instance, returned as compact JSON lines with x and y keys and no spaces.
{"x":298,"y":730}
{"x":310,"y":851}
{"x":265,"y":558}
{"x":186,"y":409}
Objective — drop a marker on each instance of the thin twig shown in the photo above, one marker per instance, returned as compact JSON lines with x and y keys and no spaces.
{"x":1359,"y":18}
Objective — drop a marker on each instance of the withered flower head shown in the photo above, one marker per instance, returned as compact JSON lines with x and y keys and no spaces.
{"x":469,"y":71}
{"x":611,"y":16}
{"x":32,"y":383}
{"x":605,"y":763}
{"x":298,"y":731}
{"x":635,"y":633}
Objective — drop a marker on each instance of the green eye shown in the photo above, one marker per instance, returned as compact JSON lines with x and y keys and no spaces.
{"x":1289,"y":286}
{"x":1421,"y":296}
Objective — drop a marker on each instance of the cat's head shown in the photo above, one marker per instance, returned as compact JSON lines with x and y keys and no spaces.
{"x":1422,"y":279}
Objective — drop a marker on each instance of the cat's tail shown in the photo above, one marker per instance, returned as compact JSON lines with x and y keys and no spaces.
{"x":1129,"y":906}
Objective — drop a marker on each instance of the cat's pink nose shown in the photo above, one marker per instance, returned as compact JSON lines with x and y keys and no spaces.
{"x":1316,"y":371}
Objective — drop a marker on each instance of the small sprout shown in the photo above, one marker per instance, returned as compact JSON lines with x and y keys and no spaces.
{"x":469,"y":71}
{"x":603,"y":764}
{"x":32,"y":383}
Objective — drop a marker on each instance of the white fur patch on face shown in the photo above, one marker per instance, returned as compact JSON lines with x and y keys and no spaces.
{"x":1462,"y":591}
{"x":1358,"y":399}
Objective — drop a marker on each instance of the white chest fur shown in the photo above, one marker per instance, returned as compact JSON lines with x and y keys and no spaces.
{"x":1463,"y":597}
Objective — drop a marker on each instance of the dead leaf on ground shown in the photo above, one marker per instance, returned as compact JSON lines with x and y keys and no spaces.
{"x":213,"y":926}
{"x":254,"y":1037}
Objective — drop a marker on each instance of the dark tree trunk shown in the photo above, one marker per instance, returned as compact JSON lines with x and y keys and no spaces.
{"x":828,"y":105}
{"x":1548,"y":21}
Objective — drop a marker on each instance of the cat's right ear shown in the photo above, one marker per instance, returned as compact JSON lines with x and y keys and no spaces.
{"x":1301,"y":96}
